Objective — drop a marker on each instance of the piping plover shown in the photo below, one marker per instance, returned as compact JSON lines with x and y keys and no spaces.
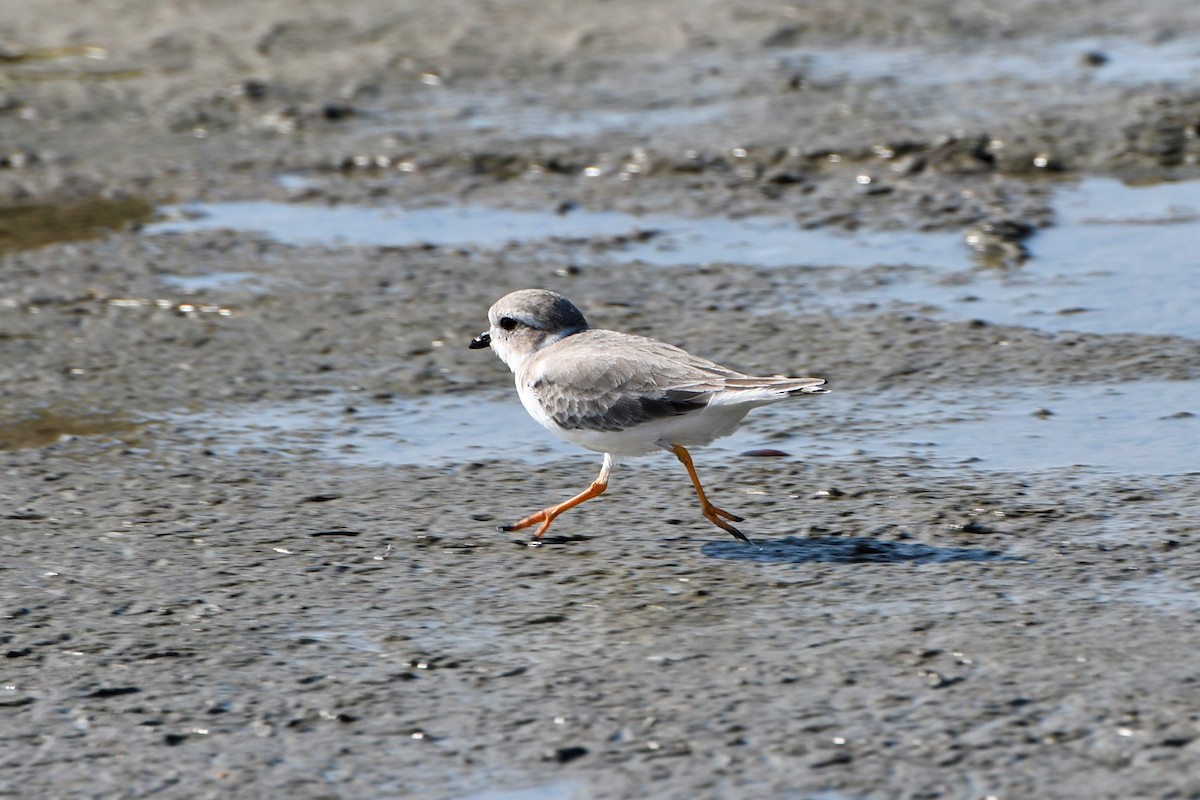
{"x":620,"y":394}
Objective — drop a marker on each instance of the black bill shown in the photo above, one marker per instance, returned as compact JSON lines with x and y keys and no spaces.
{"x":481,"y":341}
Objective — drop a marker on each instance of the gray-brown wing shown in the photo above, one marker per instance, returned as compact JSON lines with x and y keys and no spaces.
{"x":606,"y":381}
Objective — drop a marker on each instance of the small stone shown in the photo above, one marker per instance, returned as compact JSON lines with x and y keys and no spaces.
{"x":565,"y":755}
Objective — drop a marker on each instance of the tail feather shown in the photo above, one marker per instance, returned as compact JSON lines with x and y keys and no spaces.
{"x":782,"y":383}
{"x":812,"y":388}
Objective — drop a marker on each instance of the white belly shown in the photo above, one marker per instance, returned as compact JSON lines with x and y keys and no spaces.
{"x":694,"y":429}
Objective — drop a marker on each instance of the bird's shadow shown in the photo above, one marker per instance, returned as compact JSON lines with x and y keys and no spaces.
{"x":552,"y":540}
{"x":845,"y":550}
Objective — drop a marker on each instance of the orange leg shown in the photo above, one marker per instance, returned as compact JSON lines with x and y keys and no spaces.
{"x":711,"y":512}
{"x":547,"y":515}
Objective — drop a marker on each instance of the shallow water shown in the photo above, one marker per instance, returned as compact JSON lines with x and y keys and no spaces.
{"x":1159,"y":593}
{"x":1119,"y":259}
{"x":1128,"y":62}
{"x":419,"y":430}
{"x":214,"y":280}
{"x":1148,"y":427}
{"x":967,"y":79}
{"x":762,"y":242}
{"x":558,"y":790}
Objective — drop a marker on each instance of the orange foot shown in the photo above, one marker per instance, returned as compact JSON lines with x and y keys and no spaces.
{"x":544,"y":516}
{"x":713,"y":514}
{"x":547,"y":515}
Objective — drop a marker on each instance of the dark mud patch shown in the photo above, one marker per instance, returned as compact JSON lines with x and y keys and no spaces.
{"x":47,"y":427}
{"x":27,"y":227}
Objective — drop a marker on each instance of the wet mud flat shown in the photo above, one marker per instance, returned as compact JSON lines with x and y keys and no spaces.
{"x":256,"y":623}
{"x":251,"y":474}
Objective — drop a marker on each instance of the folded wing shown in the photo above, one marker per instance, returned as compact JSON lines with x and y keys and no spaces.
{"x":597,"y":381}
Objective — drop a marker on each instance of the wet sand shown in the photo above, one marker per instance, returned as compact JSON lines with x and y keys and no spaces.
{"x":252,"y":474}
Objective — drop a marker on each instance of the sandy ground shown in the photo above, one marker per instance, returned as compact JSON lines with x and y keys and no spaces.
{"x":186,"y":618}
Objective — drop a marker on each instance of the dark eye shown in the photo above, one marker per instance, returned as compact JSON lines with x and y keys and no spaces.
{"x":508,"y":323}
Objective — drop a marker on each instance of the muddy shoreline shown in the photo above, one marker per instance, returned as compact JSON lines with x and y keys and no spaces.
{"x":203,"y":597}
